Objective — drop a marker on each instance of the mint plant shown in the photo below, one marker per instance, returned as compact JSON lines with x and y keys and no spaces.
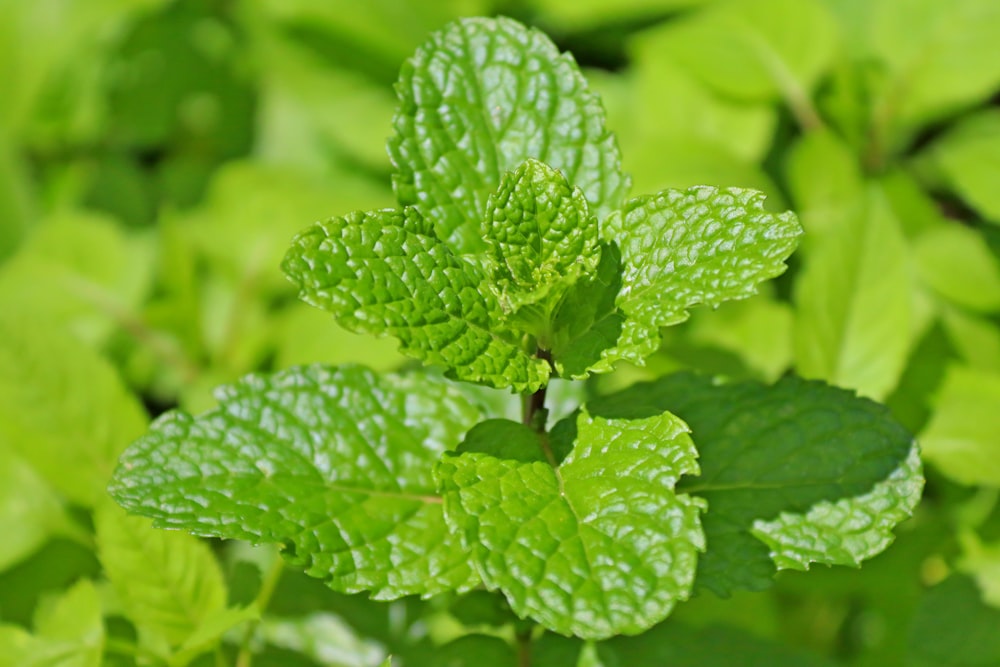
{"x":515,"y":259}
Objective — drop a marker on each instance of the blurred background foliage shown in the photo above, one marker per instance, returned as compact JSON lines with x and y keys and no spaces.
{"x":156,"y":157}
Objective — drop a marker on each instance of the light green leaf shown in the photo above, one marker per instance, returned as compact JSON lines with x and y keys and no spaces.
{"x":79,"y":270}
{"x":322,"y":636}
{"x":761,"y":49}
{"x":940,"y":55}
{"x":670,"y":104}
{"x":62,"y":408}
{"x":252,"y":212}
{"x":210,"y":630}
{"x":981,"y":561}
{"x":828,"y":203}
{"x":581,"y":531}
{"x":953,"y":628}
{"x":969,"y":158}
{"x":541,"y":237}
{"x":387,"y":273}
{"x":976,"y":340}
{"x":678,"y":249}
{"x":29,"y":509}
{"x":74,"y":616}
{"x":477,"y":100}
{"x":474,"y":650}
{"x":854,"y":302}
{"x":168,"y":582}
{"x":307,"y":335}
{"x":792,"y":448}
{"x":335,"y":464}
{"x":583,"y":14}
{"x":962,"y":439}
{"x":956,"y":262}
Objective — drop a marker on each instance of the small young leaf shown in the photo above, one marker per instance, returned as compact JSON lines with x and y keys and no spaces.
{"x":387,"y":273}
{"x":679,"y":249}
{"x":477,"y":100}
{"x":541,"y":236}
{"x":333,"y":463}
{"x":30,"y":510}
{"x":582,"y":533}
{"x":773,"y":451}
{"x":168,"y":582}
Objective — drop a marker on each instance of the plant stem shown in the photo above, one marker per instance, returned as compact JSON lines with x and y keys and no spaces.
{"x":267,"y":586}
{"x":523,"y":638}
{"x":533,"y":411}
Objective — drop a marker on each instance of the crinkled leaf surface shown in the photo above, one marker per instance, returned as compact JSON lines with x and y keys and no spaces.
{"x":478,"y":99}
{"x":333,"y":463}
{"x":583,"y":532}
{"x":541,"y":236}
{"x":168,"y":582}
{"x":769,"y":452}
{"x":679,"y":248}
{"x":387,"y":273}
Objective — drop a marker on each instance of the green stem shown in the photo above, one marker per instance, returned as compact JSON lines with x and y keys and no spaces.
{"x":267,"y":587}
{"x":524,"y":648}
{"x":533,"y":411}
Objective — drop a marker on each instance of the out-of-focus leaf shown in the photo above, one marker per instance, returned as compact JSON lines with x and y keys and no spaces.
{"x":677,"y":645}
{"x":69,"y":632}
{"x":981,"y":561}
{"x":940,"y":55}
{"x":322,"y":637}
{"x":30,"y":510}
{"x":953,"y":628}
{"x":962,"y":438}
{"x":956,"y":262}
{"x":969,"y":158}
{"x":760,"y":49}
{"x":80,"y":271}
{"x":168,"y":582}
{"x":854,"y":302}
{"x":63,"y":409}
{"x":832,"y":200}
{"x":309,"y":335}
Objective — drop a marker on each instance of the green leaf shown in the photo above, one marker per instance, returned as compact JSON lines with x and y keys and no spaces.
{"x":479,"y":98}
{"x":387,"y":273}
{"x":74,"y":616}
{"x":824,"y":204}
{"x":962,"y":439}
{"x":761,"y":49}
{"x":541,"y":237}
{"x":953,"y":628}
{"x":969,"y":158}
{"x":939,"y":55}
{"x":788,"y":453}
{"x":63,"y":409}
{"x":956,"y":262}
{"x":30,"y":510}
{"x":168,"y":582}
{"x":845,"y":531}
{"x":981,"y":561}
{"x":333,"y":463}
{"x":307,"y":335}
{"x":79,"y":270}
{"x":678,"y":249}
{"x":474,"y":650}
{"x":855,"y":317}
{"x":582,"y":532}
{"x":679,"y":645}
